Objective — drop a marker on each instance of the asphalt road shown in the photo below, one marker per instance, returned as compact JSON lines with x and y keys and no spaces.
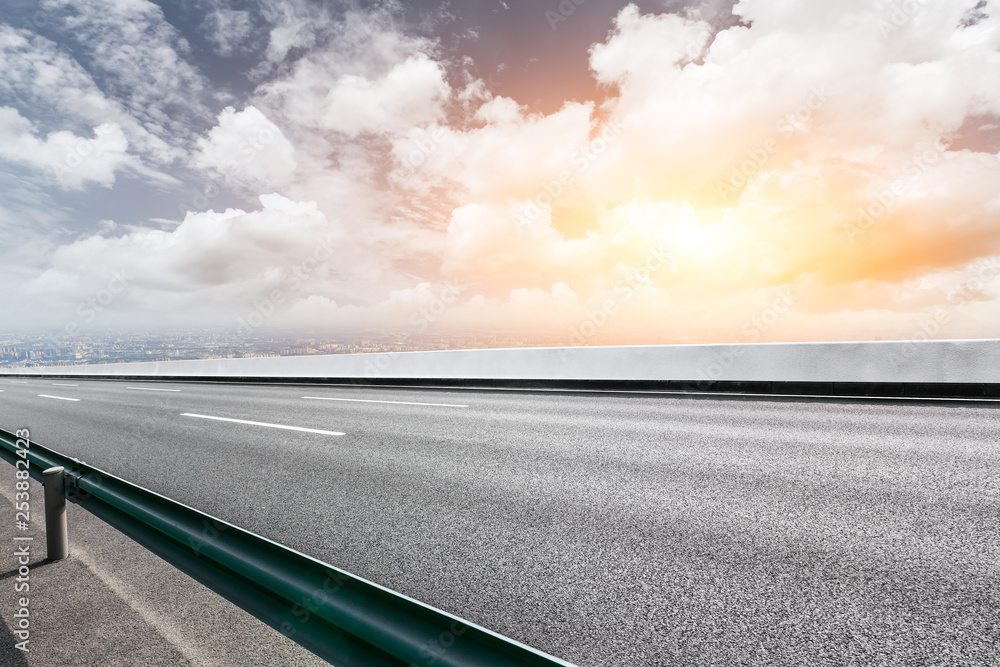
{"x":606,"y":530}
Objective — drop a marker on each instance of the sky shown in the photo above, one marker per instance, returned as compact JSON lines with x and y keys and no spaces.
{"x":590,"y":171}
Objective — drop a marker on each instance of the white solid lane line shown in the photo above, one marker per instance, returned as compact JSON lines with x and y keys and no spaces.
{"x":63,"y":384}
{"x":363,"y":400}
{"x":151,"y":389}
{"x":281,"y":426}
{"x":61,"y":398}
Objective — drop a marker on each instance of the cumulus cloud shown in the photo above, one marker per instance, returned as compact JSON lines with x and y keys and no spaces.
{"x":410,"y":94}
{"x":811,"y":155}
{"x":489,"y":246}
{"x":246,"y":147}
{"x":70,"y":160}
{"x":43,"y":79}
{"x":511,"y":155}
{"x":755,"y":174}
{"x":368,"y":77}
{"x":222,"y":261}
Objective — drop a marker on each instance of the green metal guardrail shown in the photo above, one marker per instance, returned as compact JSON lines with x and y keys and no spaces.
{"x":342,"y":618}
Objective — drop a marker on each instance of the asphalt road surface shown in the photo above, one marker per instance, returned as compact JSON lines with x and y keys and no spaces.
{"x":604,"y":529}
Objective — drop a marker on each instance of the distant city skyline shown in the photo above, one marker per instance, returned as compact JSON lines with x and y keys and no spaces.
{"x":574,"y":173}
{"x":41,"y":349}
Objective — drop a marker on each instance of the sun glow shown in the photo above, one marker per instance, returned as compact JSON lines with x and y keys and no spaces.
{"x":824,"y":154}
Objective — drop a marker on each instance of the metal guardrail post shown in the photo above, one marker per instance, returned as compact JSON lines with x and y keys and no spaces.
{"x":344,"y":619}
{"x":56,"y":543}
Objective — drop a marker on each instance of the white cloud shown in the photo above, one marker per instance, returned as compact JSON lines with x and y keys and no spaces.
{"x":647,"y":48}
{"x":246,"y":147}
{"x":230,"y":31}
{"x":139,"y":56}
{"x":72,"y":161}
{"x":368,"y":76}
{"x":409,"y":95}
{"x":440,"y":307}
{"x":44,"y":80}
{"x":512,"y":156}
{"x":747,"y":154}
{"x":863,"y":112}
{"x":294,"y":25}
{"x":489,"y":245}
{"x":212,"y":264}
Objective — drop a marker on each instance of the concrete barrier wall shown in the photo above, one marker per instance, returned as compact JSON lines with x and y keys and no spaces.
{"x":967,"y":361}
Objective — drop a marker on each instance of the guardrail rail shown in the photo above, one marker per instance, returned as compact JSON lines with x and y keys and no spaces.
{"x":344,"y":619}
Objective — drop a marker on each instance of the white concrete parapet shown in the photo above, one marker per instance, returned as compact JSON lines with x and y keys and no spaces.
{"x":957,"y":361}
